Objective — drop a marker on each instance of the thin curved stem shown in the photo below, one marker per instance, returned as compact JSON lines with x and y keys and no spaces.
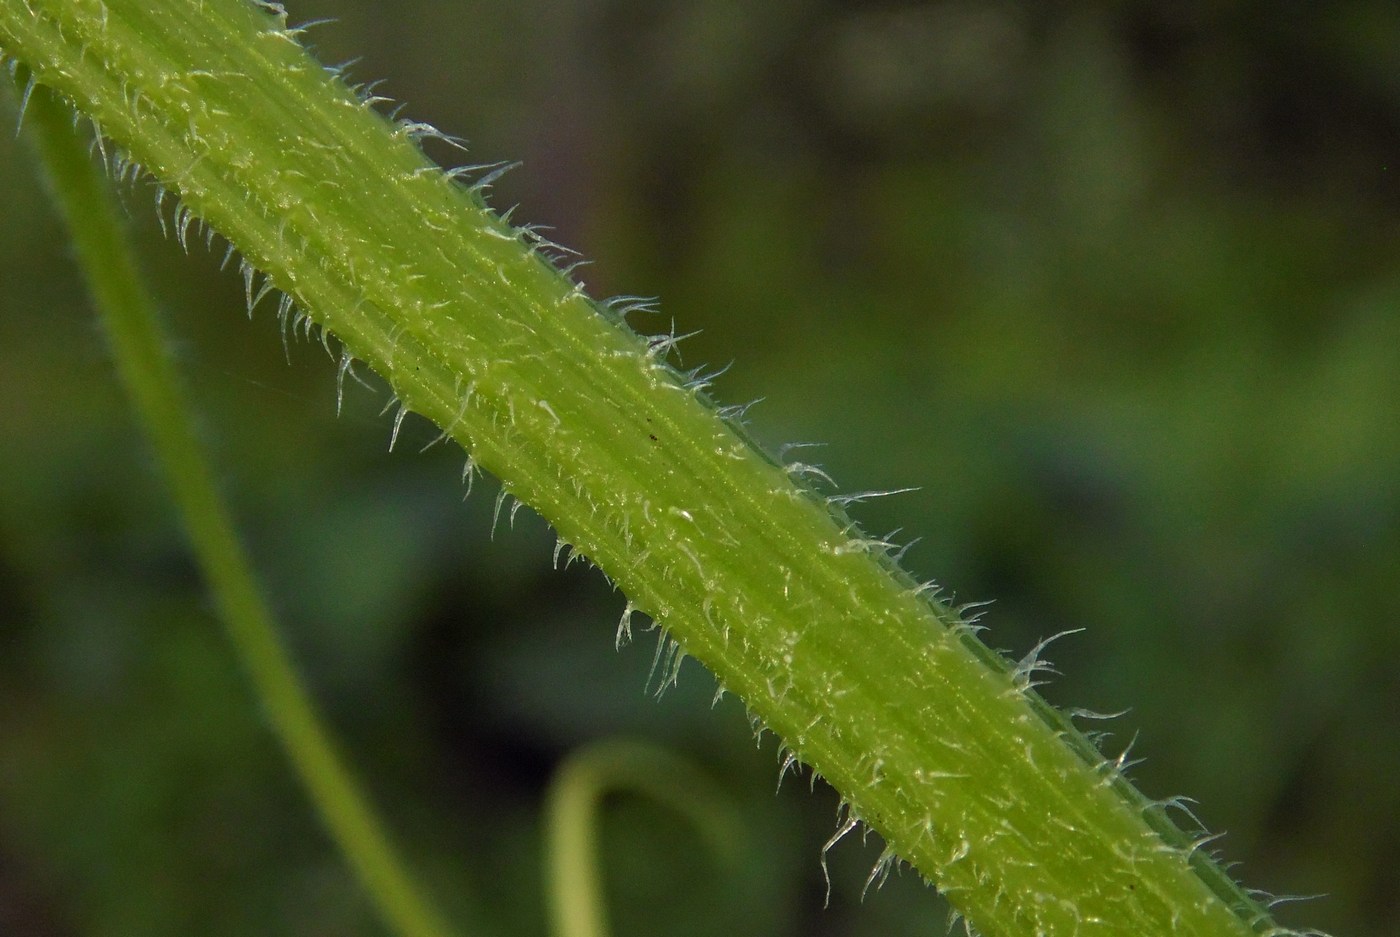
{"x":572,"y":862}
{"x":129,"y":318}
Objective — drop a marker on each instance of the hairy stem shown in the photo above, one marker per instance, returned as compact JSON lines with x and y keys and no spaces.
{"x":128,"y":316}
{"x":934,"y":741}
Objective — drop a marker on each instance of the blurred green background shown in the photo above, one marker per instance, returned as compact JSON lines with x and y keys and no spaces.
{"x":1118,"y":285}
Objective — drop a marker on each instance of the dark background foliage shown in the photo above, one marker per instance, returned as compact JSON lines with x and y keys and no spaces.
{"x":1117,"y":284}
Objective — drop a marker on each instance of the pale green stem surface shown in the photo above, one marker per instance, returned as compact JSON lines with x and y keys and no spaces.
{"x":572,"y":860}
{"x":934,"y":741}
{"x":128,"y":316}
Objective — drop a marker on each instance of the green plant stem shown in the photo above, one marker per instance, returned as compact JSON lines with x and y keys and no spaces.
{"x":934,"y":741}
{"x":128,"y":316}
{"x":572,"y":872}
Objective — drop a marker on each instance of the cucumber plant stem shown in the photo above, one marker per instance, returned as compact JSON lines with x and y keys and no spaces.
{"x":866,"y":676}
{"x":128,"y":316}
